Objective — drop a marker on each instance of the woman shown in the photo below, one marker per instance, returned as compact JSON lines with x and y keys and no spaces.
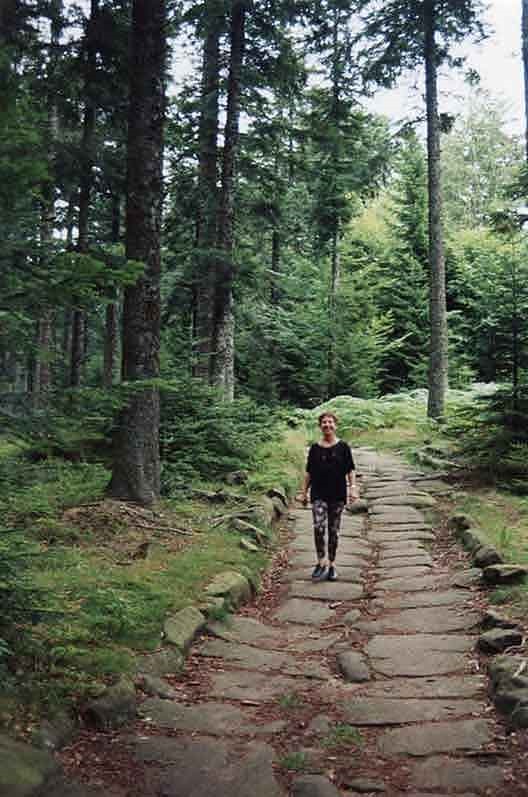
{"x":331,"y":476}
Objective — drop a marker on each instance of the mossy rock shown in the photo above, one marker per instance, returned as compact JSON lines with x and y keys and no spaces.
{"x":116,"y":707}
{"x":182,"y":627}
{"x":166,"y":661}
{"x":24,"y":770}
{"x":231,"y":585}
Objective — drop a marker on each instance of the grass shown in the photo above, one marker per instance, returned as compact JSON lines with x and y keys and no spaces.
{"x":294,"y":762}
{"x":342,"y":735}
{"x":292,"y":700}
{"x":105,"y":584}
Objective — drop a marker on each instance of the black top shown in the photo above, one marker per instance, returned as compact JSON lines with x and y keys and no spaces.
{"x":328,"y":468}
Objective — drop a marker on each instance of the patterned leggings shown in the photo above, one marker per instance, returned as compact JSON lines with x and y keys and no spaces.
{"x":326,"y":513}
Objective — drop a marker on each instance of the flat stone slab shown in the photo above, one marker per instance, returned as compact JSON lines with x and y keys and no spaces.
{"x":386,"y":646}
{"x":418,"y":655}
{"x":308,"y":559}
{"x":346,"y":573}
{"x":313,"y":786}
{"x":402,"y":584}
{"x":427,"y":619}
{"x":395,"y":514}
{"x":386,"y":711}
{"x":297,"y":610}
{"x":455,"y":686}
{"x":466,"y":578}
{"x":414,"y":500}
{"x":448,"y":597}
{"x":326,"y":590}
{"x":407,"y":572}
{"x":434,"y":486}
{"x":312,"y":645}
{"x":214,"y":718}
{"x":405,"y":562}
{"x":246,"y":656}
{"x":401,"y":536}
{"x":254,"y":686}
{"x":347,"y":545}
{"x":455,"y":774}
{"x":194,"y":767}
{"x":403,"y":548}
{"x":441,"y":737}
{"x":245,"y":630}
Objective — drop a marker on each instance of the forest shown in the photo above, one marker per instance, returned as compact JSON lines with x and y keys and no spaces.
{"x":207,"y":231}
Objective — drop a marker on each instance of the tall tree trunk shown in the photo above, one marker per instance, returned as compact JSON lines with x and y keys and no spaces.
{"x":78,"y":346}
{"x":438,"y":362}
{"x":525,"y":65}
{"x":223,"y":374}
{"x":111,"y":326}
{"x":335,"y":274}
{"x":207,"y":191}
{"x":136,"y":461}
{"x":41,"y":380}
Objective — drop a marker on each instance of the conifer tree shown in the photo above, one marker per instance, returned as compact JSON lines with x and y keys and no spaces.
{"x":404,"y":34}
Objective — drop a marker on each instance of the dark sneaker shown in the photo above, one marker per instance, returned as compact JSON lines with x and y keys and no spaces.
{"x":319,"y":572}
{"x":332,"y":573}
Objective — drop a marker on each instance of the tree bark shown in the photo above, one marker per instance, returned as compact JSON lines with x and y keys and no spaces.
{"x":438,"y":362}
{"x":207,"y":192}
{"x":78,"y":346}
{"x":136,"y":461}
{"x":111,"y":326}
{"x":525,"y":65}
{"x":223,"y":373}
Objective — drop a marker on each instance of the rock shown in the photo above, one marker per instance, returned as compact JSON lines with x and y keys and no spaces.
{"x":472,"y":539}
{"x":326,"y":590}
{"x":467,"y":578}
{"x":460,"y":521}
{"x":54,"y":734}
{"x":411,"y":499}
{"x":242,"y":526}
{"x":439,"y":737}
{"x":156,"y":687}
{"x":24,"y":770}
{"x":297,"y":610}
{"x":116,"y":707}
{"x":504,"y":669}
{"x":357,"y":507}
{"x":237,"y":477}
{"x":231,"y":585}
{"x":212,"y":606}
{"x":492,"y":619}
{"x":182,"y":627}
{"x":167,"y":661}
{"x":280,"y":494}
{"x":519,"y":716}
{"x":351,"y":617}
{"x":507,"y":699}
{"x":247,"y":545}
{"x":313,"y":786}
{"x":219,"y":719}
{"x":499,"y":639}
{"x":486,"y":556}
{"x":366,"y":786}
{"x":381,"y":711}
{"x":354,"y":667}
{"x":457,"y":775}
{"x":320,"y":725}
{"x":504,"y":574}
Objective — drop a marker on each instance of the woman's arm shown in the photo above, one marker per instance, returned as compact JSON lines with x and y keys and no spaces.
{"x":306,"y":484}
{"x":352,"y":491}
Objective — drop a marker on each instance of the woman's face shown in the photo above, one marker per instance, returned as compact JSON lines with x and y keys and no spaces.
{"x":327,"y":425}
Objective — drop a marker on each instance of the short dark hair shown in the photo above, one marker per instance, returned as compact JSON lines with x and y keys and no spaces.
{"x":326,"y":415}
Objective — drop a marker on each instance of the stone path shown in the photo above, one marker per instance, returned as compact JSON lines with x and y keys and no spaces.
{"x":364,"y":686}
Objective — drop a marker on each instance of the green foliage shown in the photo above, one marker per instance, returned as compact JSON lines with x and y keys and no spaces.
{"x":204,"y":437}
{"x":296,"y":761}
{"x":492,"y":436}
{"x":342,"y":735}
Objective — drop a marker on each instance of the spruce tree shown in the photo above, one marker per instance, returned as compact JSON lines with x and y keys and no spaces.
{"x":404,"y":34}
